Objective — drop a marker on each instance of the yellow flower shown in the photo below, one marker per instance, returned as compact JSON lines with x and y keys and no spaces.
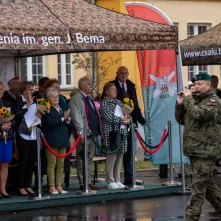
{"x":41,"y":101}
{"x":4,"y":110}
{"x":126,"y":100}
{"x":48,"y":105}
{"x":132,"y":103}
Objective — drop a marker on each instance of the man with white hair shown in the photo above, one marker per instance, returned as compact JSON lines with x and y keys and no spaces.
{"x":82,"y":106}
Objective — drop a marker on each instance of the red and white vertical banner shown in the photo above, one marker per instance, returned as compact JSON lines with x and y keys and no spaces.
{"x":158,"y":74}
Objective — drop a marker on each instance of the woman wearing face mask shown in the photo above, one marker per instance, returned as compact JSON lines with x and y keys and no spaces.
{"x":26,"y":139}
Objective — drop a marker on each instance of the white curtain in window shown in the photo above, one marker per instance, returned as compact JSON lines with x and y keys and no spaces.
{"x":7,"y":70}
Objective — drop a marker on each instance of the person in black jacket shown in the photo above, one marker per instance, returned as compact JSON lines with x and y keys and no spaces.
{"x":126,"y":89}
{"x":13,"y":92}
{"x":5,"y":147}
{"x":41,"y":91}
{"x":25,"y":139}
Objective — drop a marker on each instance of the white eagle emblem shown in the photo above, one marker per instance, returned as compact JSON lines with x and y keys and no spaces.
{"x":162,"y":84}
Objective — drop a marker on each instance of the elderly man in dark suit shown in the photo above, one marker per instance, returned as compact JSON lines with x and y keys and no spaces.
{"x":126,"y":89}
{"x":82,"y":106}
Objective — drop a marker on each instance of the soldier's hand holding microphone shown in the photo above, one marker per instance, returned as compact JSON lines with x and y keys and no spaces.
{"x":183,"y":94}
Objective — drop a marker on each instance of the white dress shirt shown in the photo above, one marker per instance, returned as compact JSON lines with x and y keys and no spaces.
{"x":125,"y":85}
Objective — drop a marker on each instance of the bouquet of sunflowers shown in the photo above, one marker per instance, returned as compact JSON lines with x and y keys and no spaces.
{"x":5,"y":117}
{"x":128,"y":106}
{"x":43,"y":105}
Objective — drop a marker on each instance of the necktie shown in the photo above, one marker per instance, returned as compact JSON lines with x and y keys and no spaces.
{"x":122,"y":86}
{"x":87,"y":98}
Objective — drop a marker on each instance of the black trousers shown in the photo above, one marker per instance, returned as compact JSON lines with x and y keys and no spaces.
{"x":27,"y":150}
{"x":127,"y":162}
{"x":43,"y":167}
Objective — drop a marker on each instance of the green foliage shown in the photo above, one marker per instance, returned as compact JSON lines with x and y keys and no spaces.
{"x":84,"y":61}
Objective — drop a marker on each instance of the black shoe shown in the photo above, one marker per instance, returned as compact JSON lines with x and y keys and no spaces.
{"x":128,"y":183}
{"x":5,"y":196}
{"x":22,"y":194}
{"x":29,"y":193}
{"x":82,"y":187}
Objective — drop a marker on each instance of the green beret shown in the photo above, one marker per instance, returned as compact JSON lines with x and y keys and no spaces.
{"x":204,"y":76}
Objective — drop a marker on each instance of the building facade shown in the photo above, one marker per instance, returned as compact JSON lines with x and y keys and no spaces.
{"x":59,"y":66}
{"x":189,"y":16}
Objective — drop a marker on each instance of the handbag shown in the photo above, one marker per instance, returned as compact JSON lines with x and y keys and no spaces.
{"x":115,"y":138}
{"x":23,"y":129}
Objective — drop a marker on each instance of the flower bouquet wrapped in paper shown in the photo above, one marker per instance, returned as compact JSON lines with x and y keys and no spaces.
{"x":128,"y":106}
{"x":43,"y":106}
{"x":5,"y":117}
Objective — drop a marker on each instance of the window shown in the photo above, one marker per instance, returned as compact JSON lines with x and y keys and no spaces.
{"x":192,"y":30}
{"x":32,"y":69}
{"x":65,"y":70}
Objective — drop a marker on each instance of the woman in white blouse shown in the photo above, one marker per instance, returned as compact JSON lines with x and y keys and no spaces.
{"x":25,"y":139}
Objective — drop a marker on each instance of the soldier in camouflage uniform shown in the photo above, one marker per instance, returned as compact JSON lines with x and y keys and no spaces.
{"x":199,"y":113}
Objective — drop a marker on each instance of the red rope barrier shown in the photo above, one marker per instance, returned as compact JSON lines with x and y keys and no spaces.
{"x":62,"y":155}
{"x":159,"y":146}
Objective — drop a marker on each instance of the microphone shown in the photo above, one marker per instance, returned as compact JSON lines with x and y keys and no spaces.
{"x":180,"y":93}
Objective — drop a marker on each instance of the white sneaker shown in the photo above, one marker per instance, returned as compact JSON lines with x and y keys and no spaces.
{"x":112,"y":186}
{"x":54,"y":192}
{"x":120,"y":185}
{"x":62,"y":191}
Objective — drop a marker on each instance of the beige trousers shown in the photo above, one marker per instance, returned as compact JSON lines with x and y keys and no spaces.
{"x":55,"y":168}
{"x":113,"y":164}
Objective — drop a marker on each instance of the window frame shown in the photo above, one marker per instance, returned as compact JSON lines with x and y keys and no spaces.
{"x":29,"y":68}
{"x":195,"y":30}
{"x":63,"y":83}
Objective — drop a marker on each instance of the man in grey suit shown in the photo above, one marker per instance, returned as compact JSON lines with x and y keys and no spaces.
{"x":82,"y":106}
